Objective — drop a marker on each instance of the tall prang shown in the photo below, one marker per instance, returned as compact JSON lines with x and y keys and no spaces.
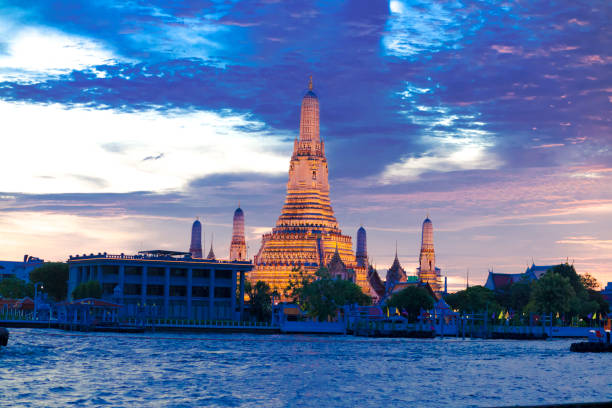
{"x":196,"y":240}
{"x":238,"y":245}
{"x":427,"y":270}
{"x":362,"y":248}
{"x":306,"y":234}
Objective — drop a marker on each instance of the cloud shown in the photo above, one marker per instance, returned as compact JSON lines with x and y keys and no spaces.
{"x":194,"y":143}
{"x":35,"y":54}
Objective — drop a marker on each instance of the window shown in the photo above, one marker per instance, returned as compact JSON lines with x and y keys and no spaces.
{"x":223,"y":292}
{"x":131,"y":289}
{"x":199,"y":291}
{"x":108,"y":288}
{"x":132,"y":270}
{"x":178,"y":272}
{"x":156,"y":271}
{"x":178,"y":291}
{"x":110,"y":270}
{"x":200,"y":273}
{"x":155,"y":290}
{"x":314,"y":175}
{"x":223,"y":274}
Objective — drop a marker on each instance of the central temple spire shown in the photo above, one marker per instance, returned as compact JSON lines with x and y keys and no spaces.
{"x":307,"y":233}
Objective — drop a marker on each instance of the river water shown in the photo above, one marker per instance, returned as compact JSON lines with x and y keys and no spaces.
{"x":55,"y":368}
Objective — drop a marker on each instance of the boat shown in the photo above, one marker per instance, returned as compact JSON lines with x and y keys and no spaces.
{"x":4,"y":336}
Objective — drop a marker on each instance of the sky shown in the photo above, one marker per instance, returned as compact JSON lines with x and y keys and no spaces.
{"x":122,"y":121}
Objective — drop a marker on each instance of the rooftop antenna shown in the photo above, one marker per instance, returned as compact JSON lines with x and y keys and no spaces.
{"x":467,"y":278}
{"x":310,"y":84}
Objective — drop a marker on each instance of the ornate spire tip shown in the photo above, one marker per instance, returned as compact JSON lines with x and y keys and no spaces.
{"x":310,"y":84}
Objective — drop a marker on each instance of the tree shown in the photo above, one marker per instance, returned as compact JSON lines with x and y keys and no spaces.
{"x":15,"y":288}
{"x":412,"y":299}
{"x":589,"y":282}
{"x":552,"y":293}
{"x":569,"y":272}
{"x":90,"y":289}
{"x":473,"y":299}
{"x":321,"y":296}
{"x":260,"y":300}
{"x":54,"y":277}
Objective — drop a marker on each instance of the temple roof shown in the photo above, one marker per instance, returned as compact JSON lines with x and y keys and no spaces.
{"x":335,"y":263}
{"x":238,"y":212}
{"x":211,"y":253}
{"x":396,"y":273}
{"x":375,"y":282}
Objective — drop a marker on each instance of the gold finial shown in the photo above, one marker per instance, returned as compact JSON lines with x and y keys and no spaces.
{"x":310,"y":84}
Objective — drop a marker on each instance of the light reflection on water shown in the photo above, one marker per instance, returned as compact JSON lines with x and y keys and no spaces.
{"x":56,"y":368}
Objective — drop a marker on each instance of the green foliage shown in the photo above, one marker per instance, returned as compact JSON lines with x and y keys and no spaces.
{"x":552,"y":293}
{"x":90,"y":289}
{"x":515,"y":297}
{"x":473,"y":299}
{"x":321,"y":296}
{"x":54,"y":277}
{"x":602,"y":304}
{"x":260,"y":300}
{"x":566,"y":270}
{"x":15,"y":288}
{"x":412,"y":299}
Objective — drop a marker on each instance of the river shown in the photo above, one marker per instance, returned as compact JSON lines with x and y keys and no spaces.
{"x":56,"y":369}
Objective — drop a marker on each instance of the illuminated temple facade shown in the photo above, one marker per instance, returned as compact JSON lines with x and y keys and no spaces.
{"x":307,"y":234}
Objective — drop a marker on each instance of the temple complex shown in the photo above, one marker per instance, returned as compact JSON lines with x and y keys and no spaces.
{"x":306,"y":234}
{"x":427,"y":271}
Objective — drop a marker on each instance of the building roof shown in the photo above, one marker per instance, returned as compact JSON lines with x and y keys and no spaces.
{"x":238,"y":212}
{"x":375,"y":282}
{"x":160,"y":252}
{"x":396,"y":273}
{"x":211,"y":253}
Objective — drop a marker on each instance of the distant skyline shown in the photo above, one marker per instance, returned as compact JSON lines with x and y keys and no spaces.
{"x":123,"y":122}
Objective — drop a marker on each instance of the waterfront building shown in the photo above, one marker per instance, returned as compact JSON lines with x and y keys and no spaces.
{"x":427,"y":270}
{"x":196,"y":240}
{"x":19,"y":269}
{"x":306,"y":234}
{"x":500,"y":281}
{"x":165,"y":284}
{"x":238,"y":250}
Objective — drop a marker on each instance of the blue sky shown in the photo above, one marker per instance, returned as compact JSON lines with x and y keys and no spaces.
{"x":122,"y":121}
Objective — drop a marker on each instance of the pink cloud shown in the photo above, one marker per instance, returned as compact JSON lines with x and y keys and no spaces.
{"x":548,"y":146}
{"x":564,"y":48}
{"x":595,"y":59}
{"x":578,"y":22}
{"x":507,"y":49}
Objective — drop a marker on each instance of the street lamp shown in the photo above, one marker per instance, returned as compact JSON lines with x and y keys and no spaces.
{"x":36,"y":297}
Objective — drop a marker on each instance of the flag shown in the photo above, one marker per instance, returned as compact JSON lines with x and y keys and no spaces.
{"x":507,"y":315}
{"x":595,"y":316}
{"x":557,"y":315}
{"x":590,"y":315}
{"x":501,"y":315}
